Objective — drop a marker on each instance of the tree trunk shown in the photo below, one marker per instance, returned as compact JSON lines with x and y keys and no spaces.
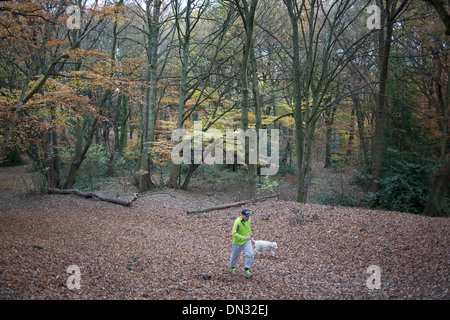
{"x":384,"y":43}
{"x":445,"y":105}
{"x":77,"y":158}
{"x":351,"y":137}
{"x":329,"y":120}
{"x":123,"y":125}
{"x":144,"y":179}
{"x":438,"y":190}
{"x":298,"y":115}
{"x":389,"y":14}
{"x":248,"y":16}
{"x":54,"y":179}
{"x":253,"y":168}
{"x":80,"y":152}
{"x":361,"y":133}
{"x":305,"y":173}
{"x":187,"y":180}
{"x":175,"y":168}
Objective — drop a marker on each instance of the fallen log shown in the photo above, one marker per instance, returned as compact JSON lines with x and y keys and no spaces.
{"x":93,"y":195}
{"x":233,"y":204}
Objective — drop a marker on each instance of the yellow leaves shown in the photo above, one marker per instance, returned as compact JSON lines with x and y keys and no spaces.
{"x":161,"y":152}
{"x":86,"y":55}
{"x":132,"y":149}
{"x":9,"y":98}
{"x":101,"y":73}
{"x":166,"y":126}
{"x":83,"y":80}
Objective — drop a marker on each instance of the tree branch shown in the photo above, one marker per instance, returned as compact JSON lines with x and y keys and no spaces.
{"x":93,"y":195}
{"x":233,"y":204}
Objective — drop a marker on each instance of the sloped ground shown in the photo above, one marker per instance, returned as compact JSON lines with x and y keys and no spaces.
{"x":153,"y":250}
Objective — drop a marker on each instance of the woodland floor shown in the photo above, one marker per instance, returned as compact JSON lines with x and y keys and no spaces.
{"x":154,"y":250}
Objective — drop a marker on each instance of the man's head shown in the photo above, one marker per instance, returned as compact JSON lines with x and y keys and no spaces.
{"x":245,"y":214}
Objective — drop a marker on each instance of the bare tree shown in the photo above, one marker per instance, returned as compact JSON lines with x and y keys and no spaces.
{"x":247,"y":12}
{"x":321,"y":25}
{"x":153,"y":25}
{"x":390,"y":11}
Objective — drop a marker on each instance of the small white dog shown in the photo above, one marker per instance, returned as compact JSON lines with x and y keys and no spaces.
{"x":265,"y":245}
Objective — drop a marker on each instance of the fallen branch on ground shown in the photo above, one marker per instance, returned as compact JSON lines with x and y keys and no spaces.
{"x":233,"y":204}
{"x":93,"y":195}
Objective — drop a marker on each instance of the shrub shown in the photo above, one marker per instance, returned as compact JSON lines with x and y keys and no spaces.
{"x":405,"y":183}
{"x":268,"y":184}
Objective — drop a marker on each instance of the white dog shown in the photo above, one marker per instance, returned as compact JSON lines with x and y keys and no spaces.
{"x":265,"y":245}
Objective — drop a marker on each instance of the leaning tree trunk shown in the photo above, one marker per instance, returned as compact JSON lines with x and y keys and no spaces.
{"x":192,"y":168}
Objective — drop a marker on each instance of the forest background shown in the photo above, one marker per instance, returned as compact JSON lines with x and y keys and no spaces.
{"x":90,"y":95}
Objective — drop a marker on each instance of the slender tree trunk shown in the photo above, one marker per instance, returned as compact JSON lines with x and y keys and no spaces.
{"x":54,"y":170}
{"x":351,"y":137}
{"x":329,"y":120}
{"x":175,"y":168}
{"x":445,"y":103}
{"x":361,"y":132}
{"x":305,"y":175}
{"x":384,"y":43}
{"x":298,"y":115}
{"x":144,"y":178}
{"x":253,"y":168}
{"x":123,"y":125}
{"x":438,"y":190}
{"x":248,"y":16}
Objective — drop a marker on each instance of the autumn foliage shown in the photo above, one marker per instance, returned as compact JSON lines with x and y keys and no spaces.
{"x":135,"y":71}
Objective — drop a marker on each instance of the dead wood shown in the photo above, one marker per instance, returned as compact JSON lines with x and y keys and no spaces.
{"x":233,"y":204}
{"x":93,"y":195}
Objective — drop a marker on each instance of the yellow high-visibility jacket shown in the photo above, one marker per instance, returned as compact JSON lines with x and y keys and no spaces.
{"x":241,"y":230}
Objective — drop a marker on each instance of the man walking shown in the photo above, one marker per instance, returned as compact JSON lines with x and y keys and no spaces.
{"x":242,"y":234}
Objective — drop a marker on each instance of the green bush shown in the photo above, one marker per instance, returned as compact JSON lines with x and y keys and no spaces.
{"x":405,"y":183}
{"x":268,"y":185}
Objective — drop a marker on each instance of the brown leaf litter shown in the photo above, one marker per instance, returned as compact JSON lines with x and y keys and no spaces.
{"x":153,"y":250}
